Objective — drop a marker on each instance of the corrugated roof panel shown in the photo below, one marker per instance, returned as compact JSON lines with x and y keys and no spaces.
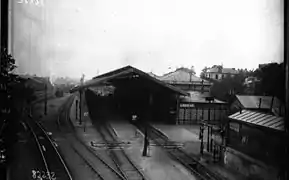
{"x":245,"y":114}
{"x":252,"y":117}
{"x":280,"y":126}
{"x":260,"y":119}
{"x":267,"y":120}
{"x":275,"y":123}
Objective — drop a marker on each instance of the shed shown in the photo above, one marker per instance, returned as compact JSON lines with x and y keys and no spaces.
{"x":256,"y":134}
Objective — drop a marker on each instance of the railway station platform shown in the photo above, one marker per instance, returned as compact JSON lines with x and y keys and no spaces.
{"x":157,"y":165}
{"x":188,"y":135}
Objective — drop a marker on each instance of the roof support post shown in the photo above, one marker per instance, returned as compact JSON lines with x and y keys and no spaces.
{"x":178,"y":107}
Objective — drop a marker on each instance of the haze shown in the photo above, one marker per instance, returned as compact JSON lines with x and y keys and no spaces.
{"x":71,"y":37}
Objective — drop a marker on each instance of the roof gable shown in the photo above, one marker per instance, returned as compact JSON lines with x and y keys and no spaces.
{"x":125,"y":71}
{"x":181,"y":75}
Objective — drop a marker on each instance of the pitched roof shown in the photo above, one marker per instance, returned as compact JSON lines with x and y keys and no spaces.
{"x":126,"y":71}
{"x":260,"y":119}
{"x":198,"y":97}
{"x":252,"y":102}
{"x":229,"y":71}
{"x":181,"y":75}
{"x":223,"y":70}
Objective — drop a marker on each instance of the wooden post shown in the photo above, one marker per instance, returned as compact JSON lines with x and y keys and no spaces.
{"x":80,"y":107}
{"x":202,"y":139}
{"x":45,"y":100}
{"x":76,"y":109}
{"x":178,"y":108}
{"x":211,"y":134}
{"x":146,"y":140}
{"x":208,"y":138}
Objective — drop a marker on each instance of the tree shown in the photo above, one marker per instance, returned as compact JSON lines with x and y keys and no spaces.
{"x":13,"y":94}
{"x":225,"y":89}
{"x":272,"y":80}
{"x":204,"y":71}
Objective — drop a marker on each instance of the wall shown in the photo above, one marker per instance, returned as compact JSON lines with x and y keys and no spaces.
{"x":190,"y":113}
{"x":257,"y":155}
{"x":248,"y":166}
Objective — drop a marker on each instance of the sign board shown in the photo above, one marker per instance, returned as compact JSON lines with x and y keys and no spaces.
{"x":187,"y":105}
{"x":235,"y":127}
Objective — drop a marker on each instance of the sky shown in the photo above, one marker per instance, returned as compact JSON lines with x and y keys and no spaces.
{"x":71,"y":37}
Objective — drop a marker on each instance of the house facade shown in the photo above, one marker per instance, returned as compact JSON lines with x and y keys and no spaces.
{"x":219,"y":73}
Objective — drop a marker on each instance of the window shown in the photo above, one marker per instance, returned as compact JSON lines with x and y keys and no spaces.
{"x":223,"y":76}
{"x":216,"y":77}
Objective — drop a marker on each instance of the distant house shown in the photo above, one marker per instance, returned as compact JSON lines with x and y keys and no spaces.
{"x":250,"y":84}
{"x":184,"y":79}
{"x":219,"y":73}
{"x":266,"y":104}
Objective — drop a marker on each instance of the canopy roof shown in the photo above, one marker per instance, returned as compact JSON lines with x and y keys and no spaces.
{"x":259,"y":119}
{"x":126,"y":72}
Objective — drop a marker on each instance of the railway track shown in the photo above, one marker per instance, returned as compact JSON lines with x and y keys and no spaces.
{"x":125,"y":165}
{"x":103,"y":168}
{"x":197,"y":169}
{"x":53,"y":165}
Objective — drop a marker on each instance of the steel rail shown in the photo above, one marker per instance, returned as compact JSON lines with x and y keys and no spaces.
{"x":39,"y":148}
{"x":64,"y":113}
{"x":55,"y":150}
{"x":104,"y":130}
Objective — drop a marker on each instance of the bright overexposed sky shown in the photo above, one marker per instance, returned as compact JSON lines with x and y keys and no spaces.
{"x":71,"y":37}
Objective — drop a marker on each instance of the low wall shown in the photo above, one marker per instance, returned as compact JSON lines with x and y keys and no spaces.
{"x":248,"y":166}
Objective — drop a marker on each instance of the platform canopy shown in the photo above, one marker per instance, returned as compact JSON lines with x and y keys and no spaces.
{"x":120,"y":77}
